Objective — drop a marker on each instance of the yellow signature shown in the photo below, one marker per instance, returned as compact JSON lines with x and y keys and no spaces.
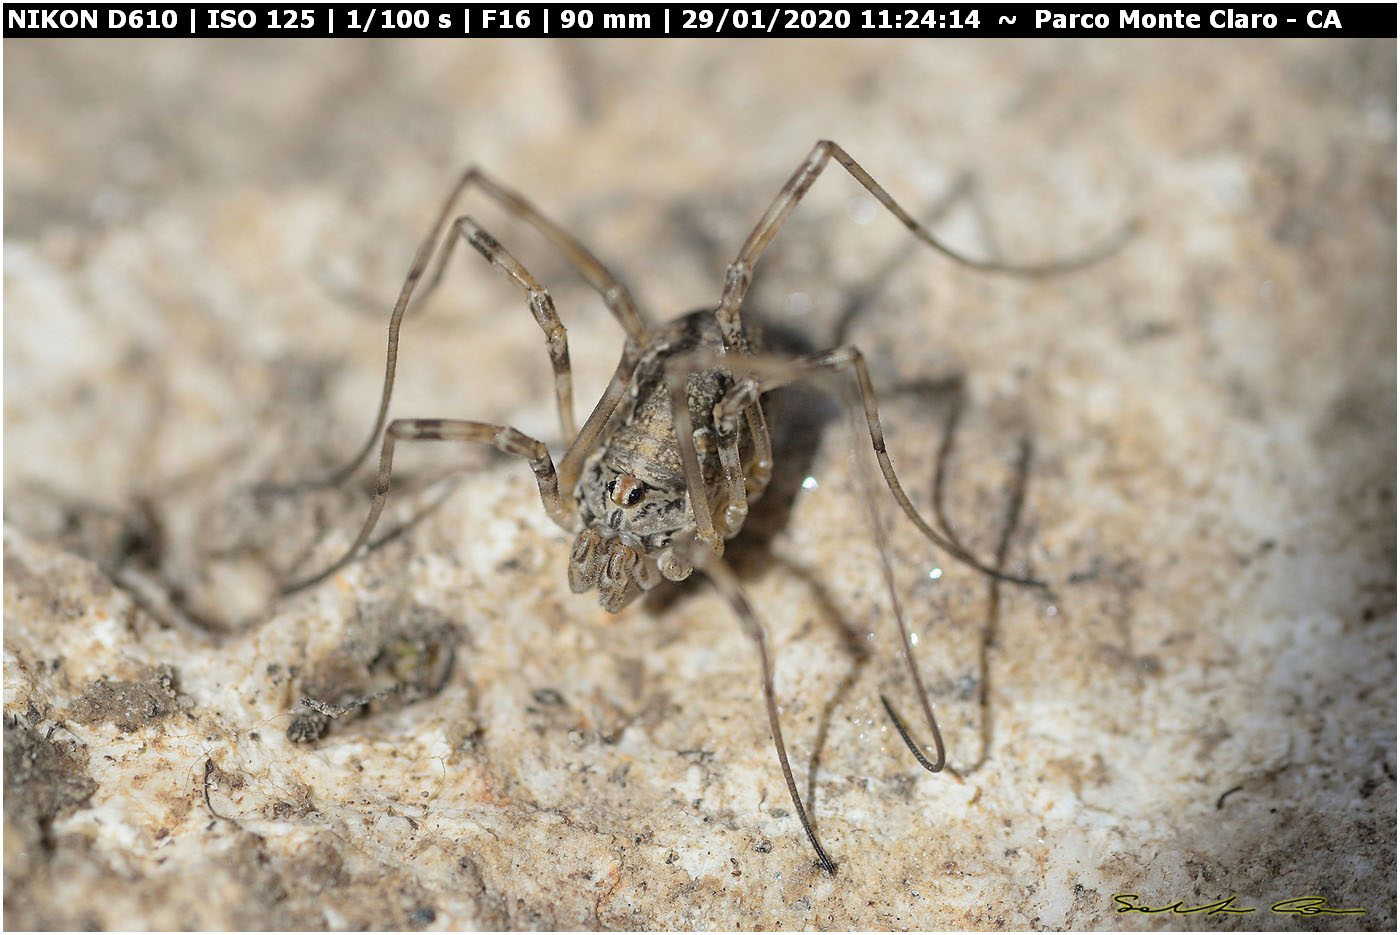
{"x":1298,"y":905}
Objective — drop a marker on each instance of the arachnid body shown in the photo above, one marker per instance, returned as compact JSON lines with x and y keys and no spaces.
{"x":663,"y":470}
{"x":632,"y":496}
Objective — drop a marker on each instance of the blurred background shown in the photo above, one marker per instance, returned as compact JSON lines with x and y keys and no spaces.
{"x":1193,"y":441}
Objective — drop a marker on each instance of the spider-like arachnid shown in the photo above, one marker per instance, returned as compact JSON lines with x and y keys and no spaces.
{"x":665,"y":467}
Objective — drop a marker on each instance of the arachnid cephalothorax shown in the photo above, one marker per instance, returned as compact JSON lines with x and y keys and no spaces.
{"x":664,"y":468}
{"x":632,"y":497}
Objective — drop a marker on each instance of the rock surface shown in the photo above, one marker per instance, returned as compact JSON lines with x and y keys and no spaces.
{"x":1193,"y":441}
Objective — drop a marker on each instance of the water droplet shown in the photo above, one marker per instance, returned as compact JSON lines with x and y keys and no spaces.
{"x":935,"y":573}
{"x":1051,"y":610}
{"x":861,"y":209}
{"x":870,"y":637}
{"x":913,"y":639}
{"x":809,"y":483}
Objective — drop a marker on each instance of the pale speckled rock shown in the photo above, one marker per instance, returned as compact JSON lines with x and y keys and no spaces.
{"x":201,"y":244}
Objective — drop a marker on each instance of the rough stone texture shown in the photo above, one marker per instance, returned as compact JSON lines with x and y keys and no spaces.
{"x":202,"y":241}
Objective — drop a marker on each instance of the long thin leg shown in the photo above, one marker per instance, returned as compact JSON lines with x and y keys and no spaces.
{"x":690,"y":549}
{"x":740,"y":272}
{"x":882,"y":548}
{"x":864,"y":293}
{"x":757,"y":374}
{"x":615,"y":295}
{"x":541,"y":307}
{"x":501,"y":437}
{"x":559,"y":485}
{"x":583,"y":443}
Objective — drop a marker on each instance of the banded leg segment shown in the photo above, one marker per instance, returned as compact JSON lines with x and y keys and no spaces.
{"x":614,"y":293}
{"x":501,"y":437}
{"x":740,"y":272}
{"x":541,"y":308}
{"x":758,"y":374}
{"x":689,"y":548}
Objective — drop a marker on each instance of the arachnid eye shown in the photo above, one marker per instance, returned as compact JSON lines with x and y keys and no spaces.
{"x":626,"y":490}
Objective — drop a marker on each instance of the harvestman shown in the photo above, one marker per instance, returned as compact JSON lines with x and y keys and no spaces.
{"x":664,"y":468}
